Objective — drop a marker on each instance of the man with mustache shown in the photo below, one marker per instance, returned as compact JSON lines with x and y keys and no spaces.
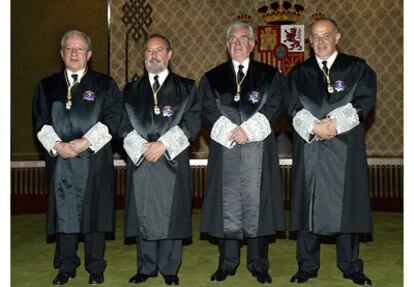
{"x":161,"y":117}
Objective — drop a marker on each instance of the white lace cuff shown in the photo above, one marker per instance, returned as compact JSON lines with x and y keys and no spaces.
{"x":134,"y":147}
{"x":346,"y":118}
{"x":48,"y":138}
{"x":221,"y":132}
{"x":175,"y":141}
{"x":98,"y":136}
{"x":257,"y":128}
{"x":303,"y":123}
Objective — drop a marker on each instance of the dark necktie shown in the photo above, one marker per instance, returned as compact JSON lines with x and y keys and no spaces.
{"x":325,"y":67}
{"x":156,"y":84}
{"x":240,"y":74}
{"x":75,"y":78}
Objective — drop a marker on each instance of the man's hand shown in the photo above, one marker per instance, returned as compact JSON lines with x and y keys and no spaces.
{"x":80,"y":145}
{"x":154,"y":151}
{"x":239,"y":136}
{"x":325,"y":130}
{"x":65,"y":150}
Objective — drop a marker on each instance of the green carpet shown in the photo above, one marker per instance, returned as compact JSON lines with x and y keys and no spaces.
{"x":31,"y":258}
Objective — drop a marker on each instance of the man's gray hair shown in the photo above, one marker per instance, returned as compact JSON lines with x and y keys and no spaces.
{"x":237,"y":24}
{"x":71,"y":33}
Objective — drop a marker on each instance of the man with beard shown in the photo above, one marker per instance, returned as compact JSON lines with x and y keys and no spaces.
{"x":243,"y":201}
{"x":330,"y":97}
{"x":74,"y":114}
{"x":162,"y":115}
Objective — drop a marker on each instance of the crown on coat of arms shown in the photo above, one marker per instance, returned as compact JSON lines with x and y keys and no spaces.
{"x":317,"y":16}
{"x":279,"y":11}
{"x":245,"y":18}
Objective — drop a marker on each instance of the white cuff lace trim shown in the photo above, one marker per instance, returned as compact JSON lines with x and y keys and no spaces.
{"x":257,"y":128}
{"x":98,"y":136}
{"x":303,"y":123}
{"x":346,"y":118}
{"x":221,"y":132}
{"x":134,"y":147}
{"x":175,"y":141}
{"x":48,"y":138}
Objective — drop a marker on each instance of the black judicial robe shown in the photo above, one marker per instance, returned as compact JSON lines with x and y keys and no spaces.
{"x":80,"y":190}
{"x":330,"y":178}
{"x":159,"y":195}
{"x":223,"y":213}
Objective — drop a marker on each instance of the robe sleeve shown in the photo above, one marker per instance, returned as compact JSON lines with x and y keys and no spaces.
{"x":134,"y":147}
{"x":275,"y":101}
{"x":366,"y":91}
{"x":98,"y":136}
{"x":40,"y":109}
{"x":175,"y":141}
{"x":112,"y":110}
{"x":257,"y":128}
{"x":303,"y":123}
{"x":190,"y":122}
{"x":48,"y":138}
{"x":346,"y":118}
{"x":221,"y":132}
{"x":210,"y":111}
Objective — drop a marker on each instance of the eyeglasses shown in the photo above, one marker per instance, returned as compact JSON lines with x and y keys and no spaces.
{"x":324,"y":37}
{"x":156,"y":51}
{"x":78,"y":50}
{"x":242,"y":39}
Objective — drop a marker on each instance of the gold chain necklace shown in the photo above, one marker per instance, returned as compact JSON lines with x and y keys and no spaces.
{"x":69,"y":93}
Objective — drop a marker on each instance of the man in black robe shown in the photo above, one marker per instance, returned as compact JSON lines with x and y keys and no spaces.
{"x":74,"y":114}
{"x":241,"y":100}
{"x":162,"y":116}
{"x":331,"y":95}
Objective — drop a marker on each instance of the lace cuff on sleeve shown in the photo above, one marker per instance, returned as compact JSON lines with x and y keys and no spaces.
{"x":221,"y":132}
{"x":98,"y":136}
{"x":346,"y":118}
{"x":134,"y":147}
{"x":48,"y":138}
{"x":175,"y":141}
{"x":257,"y":128}
{"x":303,"y":123}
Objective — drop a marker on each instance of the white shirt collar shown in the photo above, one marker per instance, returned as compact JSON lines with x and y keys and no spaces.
{"x":161,"y":77}
{"x":245,"y":64}
{"x":80,"y":74}
{"x":329,"y":61}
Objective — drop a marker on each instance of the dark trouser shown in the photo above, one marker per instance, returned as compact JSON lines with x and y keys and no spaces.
{"x":66,"y":258}
{"x":257,"y":254}
{"x":159,"y":255}
{"x":347,"y":249}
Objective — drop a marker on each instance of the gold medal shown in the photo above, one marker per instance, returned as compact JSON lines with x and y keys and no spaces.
{"x":237,"y":96}
{"x":328,"y":81}
{"x":155,"y":97}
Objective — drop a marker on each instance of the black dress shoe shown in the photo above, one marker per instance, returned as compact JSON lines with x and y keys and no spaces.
{"x":221,"y":275}
{"x":359,"y":278}
{"x":63,"y":277}
{"x":171,"y":279}
{"x":96,"y":278}
{"x":302,"y":277}
{"x":263,"y":277}
{"x":140,"y":277}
